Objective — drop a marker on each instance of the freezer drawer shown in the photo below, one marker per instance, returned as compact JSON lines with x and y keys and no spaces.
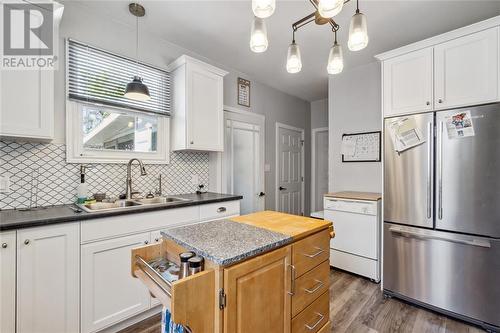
{"x":457,"y":273}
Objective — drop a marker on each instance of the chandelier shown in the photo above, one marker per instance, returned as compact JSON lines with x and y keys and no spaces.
{"x":324,"y":12}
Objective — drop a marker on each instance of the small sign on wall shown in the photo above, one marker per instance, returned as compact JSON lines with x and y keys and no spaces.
{"x":243,"y":92}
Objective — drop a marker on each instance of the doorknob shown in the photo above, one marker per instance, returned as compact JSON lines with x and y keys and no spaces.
{"x":282,"y":188}
{"x":261,"y":194}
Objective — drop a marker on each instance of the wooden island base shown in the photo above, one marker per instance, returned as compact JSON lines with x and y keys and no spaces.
{"x":283,"y":290}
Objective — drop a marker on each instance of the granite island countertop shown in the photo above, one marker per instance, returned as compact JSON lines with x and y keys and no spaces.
{"x":226,"y":242}
{"x":12,"y":219}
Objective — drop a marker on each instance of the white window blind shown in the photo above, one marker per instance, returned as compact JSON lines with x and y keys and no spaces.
{"x":97,"y":76}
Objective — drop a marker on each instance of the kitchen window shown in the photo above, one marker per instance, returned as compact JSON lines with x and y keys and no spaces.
{"x":104,"y":126}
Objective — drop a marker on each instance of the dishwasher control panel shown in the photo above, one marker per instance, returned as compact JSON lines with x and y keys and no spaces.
{"x":352,"y":206}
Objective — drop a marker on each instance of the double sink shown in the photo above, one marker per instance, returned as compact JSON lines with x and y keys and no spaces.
{"x":130,"y":203}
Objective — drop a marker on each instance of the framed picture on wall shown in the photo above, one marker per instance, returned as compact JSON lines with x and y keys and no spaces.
{"x":243,"y":92}
{"x":362,"y":147}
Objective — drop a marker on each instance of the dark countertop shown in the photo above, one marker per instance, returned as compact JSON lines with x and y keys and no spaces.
{"x":12,"y":219}
{"x":225,"y":242}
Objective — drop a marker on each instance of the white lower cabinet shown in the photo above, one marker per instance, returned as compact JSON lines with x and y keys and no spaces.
{"x":48,"y":297}
{"x":8,"y":282}
{"x":109,"y":292}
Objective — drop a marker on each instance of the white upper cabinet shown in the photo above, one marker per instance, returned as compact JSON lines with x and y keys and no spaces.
{"x":408,"y":83}
{"x":466,"y":70}
{"x":456,"y":69}
{"x":197,"y":112}
{"x":48,"y":279}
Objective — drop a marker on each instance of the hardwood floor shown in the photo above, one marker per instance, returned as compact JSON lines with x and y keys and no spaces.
{"x":357,"y":305}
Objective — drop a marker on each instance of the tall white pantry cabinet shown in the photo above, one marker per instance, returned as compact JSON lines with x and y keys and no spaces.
{"x":455,"y":69}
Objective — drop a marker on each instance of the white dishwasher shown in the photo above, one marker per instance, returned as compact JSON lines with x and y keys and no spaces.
{"x":356,"y":246}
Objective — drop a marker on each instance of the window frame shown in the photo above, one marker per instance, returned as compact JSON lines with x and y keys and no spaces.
{"x":76,"y":153}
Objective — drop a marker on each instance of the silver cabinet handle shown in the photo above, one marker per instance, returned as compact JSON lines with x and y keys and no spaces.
{"x":440,"y":169}
{"x":146,"y":242}
{"x":292,"y":280}
{"x":157,"y":240}
{"x":314,"y":255}
{"x":315,"y":288}
{"x":191,"y":142}
{"x":320,"y":319}
{"x":423,"y":235}
{"x":427,"y":103}
{"x":440,"y":100}
{"x":4,"y":245}
{"x":221,"y":209}
{"x":430,"y":163}
{"x":26,"y":242}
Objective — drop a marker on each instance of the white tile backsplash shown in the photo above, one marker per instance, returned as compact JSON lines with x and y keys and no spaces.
{"x":57,"y":180}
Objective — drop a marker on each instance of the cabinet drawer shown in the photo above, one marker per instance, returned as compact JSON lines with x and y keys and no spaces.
{"x":191,"y":300}
{"x":314,"y":317}
{"x":310,"y":252}
{"x":310,"y":286}
{"x":219,"y":209}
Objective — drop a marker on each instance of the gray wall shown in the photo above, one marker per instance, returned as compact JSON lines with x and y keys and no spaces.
{"x":354,"y":106}
{"x":319,"y":113}
{"x":93,"y":28}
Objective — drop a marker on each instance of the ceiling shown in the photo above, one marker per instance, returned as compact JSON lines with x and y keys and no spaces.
{"x":220,"y":30}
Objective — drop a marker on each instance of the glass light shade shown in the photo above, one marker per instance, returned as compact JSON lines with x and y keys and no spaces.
{"x":263,"y":8}
{"x":358,"y":32}
{"x":330,"y":8}
{"x":293,"y":60}
{"x":258,"y":36}
{"x":137,"y":90}
{"x":335,"y":60}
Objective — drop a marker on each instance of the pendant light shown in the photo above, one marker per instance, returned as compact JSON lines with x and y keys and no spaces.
{"x":358,"y":31}
{"x":335,"y":58}
{"x":258,"y":36}
{"x":293,"y":59}
{"x":137,"y":90}
{"x":263,"y":8}
{"x":330,"y":8}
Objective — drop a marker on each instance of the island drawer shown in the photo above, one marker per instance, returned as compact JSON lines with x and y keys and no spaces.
{"x":219,"y":210}
{"x":189,"y":299}
{"x":310,"y":286}
{"x":310,"y":252}
{"x":314,"y":317}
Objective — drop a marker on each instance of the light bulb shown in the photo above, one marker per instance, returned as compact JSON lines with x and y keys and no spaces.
{"x":358,"y":32}
{"x":293,"y":61}
{"x":335,"y":59}
{"x":258,"y":37}
{"x":263,"y":8}
{"x":330,"y":8}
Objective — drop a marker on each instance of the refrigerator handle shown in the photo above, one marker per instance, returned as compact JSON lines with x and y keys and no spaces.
{"x":440,"y":169}
{"x":449,"y":238}
{"x":430,"y":163}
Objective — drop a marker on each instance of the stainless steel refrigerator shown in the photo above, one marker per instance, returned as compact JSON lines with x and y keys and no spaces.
{"x":442,"y":216}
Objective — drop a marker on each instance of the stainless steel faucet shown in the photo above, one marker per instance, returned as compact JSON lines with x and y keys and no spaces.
{"x":128,"y":193}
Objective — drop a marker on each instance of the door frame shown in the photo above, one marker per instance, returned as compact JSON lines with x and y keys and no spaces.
{"x":259,"y":120}
{"x":277,"y":165}
{"x":314,"y":131}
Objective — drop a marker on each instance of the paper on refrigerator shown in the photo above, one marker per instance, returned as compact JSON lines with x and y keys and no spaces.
{"x":405,"y":134}
{"x":459,"y":125}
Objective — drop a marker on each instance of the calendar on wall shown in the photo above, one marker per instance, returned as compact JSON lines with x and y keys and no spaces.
{"x":243,"y":92}
{"x":362,"y":147}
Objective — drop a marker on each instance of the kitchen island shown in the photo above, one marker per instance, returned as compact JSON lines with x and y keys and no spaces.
{"x":264,"y":272}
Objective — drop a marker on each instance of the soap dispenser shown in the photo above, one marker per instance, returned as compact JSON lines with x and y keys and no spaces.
{"x":82,"y":189}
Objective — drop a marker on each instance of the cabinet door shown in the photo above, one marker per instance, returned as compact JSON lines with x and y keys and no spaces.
{"x":48,"y":279}
{"x":407,"y":83}
{"x":27,"y":102}
{"x":109,"y":292}
{"x":8,"y":282}
{"x":466,"y":70}
{"x":205,"y":109}
{"x":257,"y":294}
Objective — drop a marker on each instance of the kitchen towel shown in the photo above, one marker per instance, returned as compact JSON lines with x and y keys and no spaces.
{"x":167,"y":325}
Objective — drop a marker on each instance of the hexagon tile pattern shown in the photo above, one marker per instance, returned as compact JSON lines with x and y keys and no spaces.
{"x":32,"y":164}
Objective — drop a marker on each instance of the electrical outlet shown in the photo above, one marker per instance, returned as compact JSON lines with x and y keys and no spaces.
{"x":4,"y":184}
{"x":195,"y":179}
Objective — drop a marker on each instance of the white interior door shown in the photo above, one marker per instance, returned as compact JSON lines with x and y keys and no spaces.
{"x":290,"y":169}
{"x":319,"y":167}
{"x":244,"y":159}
